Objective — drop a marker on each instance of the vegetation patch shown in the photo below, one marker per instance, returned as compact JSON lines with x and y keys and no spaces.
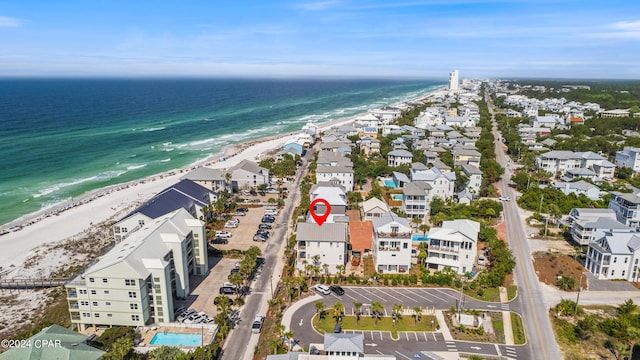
{"x":518,"y":329}
{"x":559,"y":270}
{"x":325,"y":323}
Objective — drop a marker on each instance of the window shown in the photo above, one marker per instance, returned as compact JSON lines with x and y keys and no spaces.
{"x":109,"y":315}
{"x":159,"y":300}
{"x":86,"y":314}
{"x":156,"y":279}
{"x":95,"y":303}
{"x":132,"y":294}
{"x":96,"y":315}
{"x":622,"y":272}
{"x":124,"y":229}
{"x":394,"y":229}
{"x":117,"y":229}
{"x":93,"y":292}
{"x":84,"y":303}
{"x":613,"y":272}
{"x":91,"y":280}
{"x":135,"y":317}
{"x":105,"y":280}
{"x":141,"y":222}
{"x":128,"y":282}
{"x":615,"y":259}
{"x":626,"y":260}
{"x":107,"y":303}
{"x":106,"y":292}
{"x":405,"y":245}
{"x":133,"y":306}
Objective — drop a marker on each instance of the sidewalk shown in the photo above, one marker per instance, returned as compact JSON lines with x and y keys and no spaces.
{"x":444,"y":329}
{"x":288,"y":313}
{"x":506,"y":319}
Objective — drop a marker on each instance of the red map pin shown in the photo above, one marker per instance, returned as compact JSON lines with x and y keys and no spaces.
{"x":320,"y":219}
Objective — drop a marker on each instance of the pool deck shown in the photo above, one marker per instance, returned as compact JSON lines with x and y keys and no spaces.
{"x":148,"y":333}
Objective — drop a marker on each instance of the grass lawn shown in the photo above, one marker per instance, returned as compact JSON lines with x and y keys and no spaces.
{"x":488,"y":294}
{"x":518,"y":329}
{"x":406,"y":323}
{"x":512,"y":291}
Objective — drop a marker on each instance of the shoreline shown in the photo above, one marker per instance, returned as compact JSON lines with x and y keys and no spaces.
{"x":70,"y":218}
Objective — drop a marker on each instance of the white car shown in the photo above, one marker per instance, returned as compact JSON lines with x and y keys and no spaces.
{"x":323,"y":289}
{"x":223,"y":234}
{"x":504,"y":198}
{"x":231,"y":224}
{"x":271,"y":212}
{"x":182,"y":317}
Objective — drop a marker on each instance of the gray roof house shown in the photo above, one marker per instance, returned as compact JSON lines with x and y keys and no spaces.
{"x":247,"y":174}
{"x":213,"y":179}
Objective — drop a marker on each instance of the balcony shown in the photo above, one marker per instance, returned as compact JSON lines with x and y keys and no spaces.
{"x":397,"y":235}
{"x":73,"y":305}
{"x":447,"y":249}
{"x":388,"y":248}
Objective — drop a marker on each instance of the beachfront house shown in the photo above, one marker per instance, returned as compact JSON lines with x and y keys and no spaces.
{"x":615,"y":256}
{"x":391,"y":243}
{"x":185,"y":194}
{"x":453,"y":245}
{"x":247,"y":174}
{"x":580,"y":187}
{"x":318,"y":246}
{"x":629,"y":157}
{"x":626,"y":206}
{"x":213,"y":179}
{"x":137,"y":281}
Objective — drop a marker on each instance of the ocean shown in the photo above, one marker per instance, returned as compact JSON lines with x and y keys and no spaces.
{"x":61,"y":138}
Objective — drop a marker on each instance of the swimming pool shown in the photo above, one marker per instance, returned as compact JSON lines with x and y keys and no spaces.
{"x":397,"y":197}
{"x":175,"y":339}
{"x":390,"y":183}
{"x":419,"y":237}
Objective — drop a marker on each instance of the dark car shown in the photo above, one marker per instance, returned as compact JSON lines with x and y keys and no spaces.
{"x":337,"y":329}
{"x":227,"y":290}
{"x":243,"y":209}
{"x":263,"y":232}
{"x":264,"y":227}
{"x":262,"y":193}
{"x":268,"y":219}
{"x":337,"y":289}
{"x":219,"y":240}
{"x":260,"y":237}
{"x":253,"y":192}
{"x":260,"y":261}
{"x":233,"y":271}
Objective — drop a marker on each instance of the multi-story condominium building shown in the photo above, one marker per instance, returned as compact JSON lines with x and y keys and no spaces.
{"x":247,"y":174}
{"x":453,"y":80}
{"x":185,"y":194}
{"x":589,"y":224}
{"x":321,"y":245}
{"x":453,"y":245}
{"x":213,"y":179}
{"x":391,"y":243}
{"x":629,"y":157}
{"x":136,"y":282}
{"x":342,"y":175}
{"x":615,"y":256}
{"x":626,"y":207}
{"x":399,"y":157}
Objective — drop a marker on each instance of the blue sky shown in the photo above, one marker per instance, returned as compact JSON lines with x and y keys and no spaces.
{"x":276,"y":38}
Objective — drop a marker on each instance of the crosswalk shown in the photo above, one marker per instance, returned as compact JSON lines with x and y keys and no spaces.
{"x":505,"y":306}
{"x":511,"y":352}
{"x":451,"y":345}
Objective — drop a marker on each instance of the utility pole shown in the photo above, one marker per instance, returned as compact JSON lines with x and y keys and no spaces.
{"x":540,"y":208}
{"x":578,"y":297}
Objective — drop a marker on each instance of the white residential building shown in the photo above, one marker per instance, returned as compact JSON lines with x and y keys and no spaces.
{"x":341,"y":175}
{"x":136,"y":282}
{"x":441,"y":182}
{"x":544,"y":121}
{"x":453,"y":80}
{"x":334,"y":195}
{"x":368,"y":120}
{"x":453,"y":245}
{"x":373,"y":208}
{"x":474,"y":176}
{"x":247,"y":174}
{"x":213,"y":179}
{"x":416,"y":199}
{"x":580,"y":187}
{"x":615,"y":256}
{"x":391,"y":244}
{"x":399,"y":157}
{"x":629,"y":157}
{"x":589,"y":224}
{"x":626,"y":207}
{"x":320,"y":245}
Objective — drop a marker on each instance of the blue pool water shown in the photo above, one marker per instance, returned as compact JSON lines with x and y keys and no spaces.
{"x":175,"y":339}
{"x":419,"y":237}
{"x":397,"y":197}
{"x":390,"y":183}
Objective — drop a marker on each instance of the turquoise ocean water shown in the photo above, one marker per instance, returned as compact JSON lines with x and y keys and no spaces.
{"x":60,"y":138}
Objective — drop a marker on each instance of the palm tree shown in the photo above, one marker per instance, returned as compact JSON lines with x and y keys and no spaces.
{"x":289,"y":336}
{"x":237,"y":279}
{"x":337,"y":311}
{"x":227,"y":181}
{"x":376,"y":310}
{"x":357,"y":305}
{"x":416,"y":221}
{"x":275,"y":343}
{"x":325,"y":268}
{"x":424,"y":228}
{"x":397,"y":313}
{"x":417,"y":311}
{"x":319,"y":305}
{"x":341,"y":269}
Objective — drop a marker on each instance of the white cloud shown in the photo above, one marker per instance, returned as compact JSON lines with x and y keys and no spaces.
{"x":317,"y":5}
{"x":6,"y":21}
{"x":621,"y":30}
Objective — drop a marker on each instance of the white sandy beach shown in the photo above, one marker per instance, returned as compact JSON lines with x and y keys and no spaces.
{"x":114,"y":202}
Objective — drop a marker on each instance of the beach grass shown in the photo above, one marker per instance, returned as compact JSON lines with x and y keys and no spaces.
{"x":518,"y":329}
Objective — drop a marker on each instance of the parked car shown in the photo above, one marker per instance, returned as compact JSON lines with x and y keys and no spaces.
{"x":224,"y":290}
{"x":504,"y":198}
{"x":231,"y":224}
{"x":272,"y":190}
{"x":233,"y":271}
{"x":323,"y":289}
{"x":260,"y":261}
{"x":253,"y":192}
{"x":260,"y":237}
{"x":179,"y":311}
{"x":256,"y":326}
{"x":338,"y":290}
{"x":239,"y":213}
{"x":264,"y":227}
{"x":223,"y":234}
{"x":271,"y":212}
{"x":337,"y":329}
{"x":219,"y":240}
{"x":243,"y":209}
{"x":182,"y":317}
{"x":268,"y":219}
{"x":263,"y":232}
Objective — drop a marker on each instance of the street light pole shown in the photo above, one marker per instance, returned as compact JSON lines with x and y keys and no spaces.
{"x":578,"y":297}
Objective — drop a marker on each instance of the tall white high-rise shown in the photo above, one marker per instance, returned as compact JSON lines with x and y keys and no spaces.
{"x":453,"y":80}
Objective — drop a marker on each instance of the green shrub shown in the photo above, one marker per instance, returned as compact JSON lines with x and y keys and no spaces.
{"x":394,"y":282}
{"x":386,"y":282}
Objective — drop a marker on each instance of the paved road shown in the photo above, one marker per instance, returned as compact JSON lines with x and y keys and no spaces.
{"x":409,"y":343}
{"x":542,"y":343}
{"x":241,"y":341}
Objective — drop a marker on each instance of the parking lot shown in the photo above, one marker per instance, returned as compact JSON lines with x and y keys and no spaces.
{"x":242,"y":236}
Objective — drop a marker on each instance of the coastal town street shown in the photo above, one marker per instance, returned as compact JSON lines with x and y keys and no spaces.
{"x":236,"y":346}
{"x":541,"y":341}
